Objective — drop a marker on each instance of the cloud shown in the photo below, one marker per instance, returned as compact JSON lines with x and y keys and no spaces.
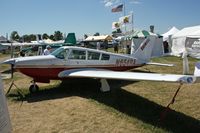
{"x":109,"y":3}
{"x":135,"y":2}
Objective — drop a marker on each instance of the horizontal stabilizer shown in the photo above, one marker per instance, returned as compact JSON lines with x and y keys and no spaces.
{"x":159,"y":64}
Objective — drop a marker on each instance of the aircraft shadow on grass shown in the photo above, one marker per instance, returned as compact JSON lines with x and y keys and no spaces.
{"x":123,"y":101}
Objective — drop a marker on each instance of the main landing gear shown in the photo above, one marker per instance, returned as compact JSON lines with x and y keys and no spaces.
{"x":33,"y":87}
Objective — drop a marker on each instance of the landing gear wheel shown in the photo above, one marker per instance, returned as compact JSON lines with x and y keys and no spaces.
{"x":33,"y":88}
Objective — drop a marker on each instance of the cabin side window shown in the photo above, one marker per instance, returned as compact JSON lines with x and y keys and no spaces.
{"x":60,"y":53}
{"x":77,"y":55}
{"x":93,"y":55}
{"x":105,"y":57}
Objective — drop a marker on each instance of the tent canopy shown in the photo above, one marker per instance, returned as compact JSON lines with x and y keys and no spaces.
{"x":141,"y":34}
{"x":99,"y":38}
{"x":189,"y":31}
{"x":172,"y":31}
{"x":182,"y":40}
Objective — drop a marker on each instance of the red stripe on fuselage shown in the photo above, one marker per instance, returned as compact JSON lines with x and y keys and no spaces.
{"x":52,"y":73}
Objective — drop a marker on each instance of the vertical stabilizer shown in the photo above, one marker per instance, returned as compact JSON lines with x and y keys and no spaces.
{"x":70,"y":39}
{"x":37,"y":38}
{"x":144,"y":52}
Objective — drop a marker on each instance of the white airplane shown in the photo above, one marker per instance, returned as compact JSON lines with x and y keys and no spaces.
{"x":75,"y":62}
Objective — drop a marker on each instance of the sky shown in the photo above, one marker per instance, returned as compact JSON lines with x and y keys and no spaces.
{"x":91,"y":16}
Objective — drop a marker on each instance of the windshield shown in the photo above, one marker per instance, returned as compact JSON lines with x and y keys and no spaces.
{"x":60,"y":53}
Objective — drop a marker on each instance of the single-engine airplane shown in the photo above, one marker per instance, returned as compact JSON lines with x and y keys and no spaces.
{"x":75,"y":62}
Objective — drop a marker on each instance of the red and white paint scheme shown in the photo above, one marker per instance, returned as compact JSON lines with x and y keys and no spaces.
{"x":71,"y":62}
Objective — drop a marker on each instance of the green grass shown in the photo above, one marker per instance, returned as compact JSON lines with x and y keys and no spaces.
{"x":4,"y":55}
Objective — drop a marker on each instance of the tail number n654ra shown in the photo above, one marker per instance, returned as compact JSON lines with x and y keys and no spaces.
{"x":125,"y":62}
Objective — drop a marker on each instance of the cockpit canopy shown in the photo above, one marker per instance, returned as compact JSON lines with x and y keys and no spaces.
{"x":79,"y":54}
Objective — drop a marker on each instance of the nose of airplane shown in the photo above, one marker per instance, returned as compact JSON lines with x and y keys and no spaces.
{"x":9,"y":61}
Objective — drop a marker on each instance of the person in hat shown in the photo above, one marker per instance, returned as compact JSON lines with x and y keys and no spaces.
{"x":47,"y":50}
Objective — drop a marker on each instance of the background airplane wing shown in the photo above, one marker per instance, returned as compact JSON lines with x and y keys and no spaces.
{"x":104,"y":74}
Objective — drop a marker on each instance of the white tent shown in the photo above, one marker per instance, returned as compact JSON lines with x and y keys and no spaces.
{"x":187,"y":38}
{"x":172,"y":31}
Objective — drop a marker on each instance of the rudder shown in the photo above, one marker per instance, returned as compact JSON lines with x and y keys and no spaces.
{"x":145,"y":49}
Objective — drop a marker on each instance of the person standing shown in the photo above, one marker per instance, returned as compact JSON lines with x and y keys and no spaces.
{"x":98,"y":45}
{"x":115,"y":45}
{"x":47,"y":50}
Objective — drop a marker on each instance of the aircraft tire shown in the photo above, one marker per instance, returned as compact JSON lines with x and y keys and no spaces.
{"x":33,"y":88}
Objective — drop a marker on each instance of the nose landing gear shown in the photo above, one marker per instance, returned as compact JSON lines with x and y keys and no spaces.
{"x":33,"y":87}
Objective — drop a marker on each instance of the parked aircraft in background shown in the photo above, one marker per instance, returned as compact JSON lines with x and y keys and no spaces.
{"x":69,"y":40}
{"x":75,"y":62}
{"x":34,"y":45}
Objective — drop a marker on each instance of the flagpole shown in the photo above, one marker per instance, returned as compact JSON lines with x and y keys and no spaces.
{"x":124,"y":8}
{"x":132,"y":22}
{"x":124,"y":14}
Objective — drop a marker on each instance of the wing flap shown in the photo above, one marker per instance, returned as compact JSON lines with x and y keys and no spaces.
{"x":103,"y":74}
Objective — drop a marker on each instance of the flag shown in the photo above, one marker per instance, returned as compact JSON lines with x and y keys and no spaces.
{"x":117,"y":8}
{"x":125,"y":19}
{"x":115,"y":25}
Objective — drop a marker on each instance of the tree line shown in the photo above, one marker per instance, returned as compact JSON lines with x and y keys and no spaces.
{"x":58,"y":35}
{"x":32,"y":37}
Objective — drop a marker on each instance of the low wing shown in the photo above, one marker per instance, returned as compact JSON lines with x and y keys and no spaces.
{"x":104,"y":74}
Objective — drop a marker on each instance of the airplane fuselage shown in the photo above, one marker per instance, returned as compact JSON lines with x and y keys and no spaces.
{"x":45,"y":68}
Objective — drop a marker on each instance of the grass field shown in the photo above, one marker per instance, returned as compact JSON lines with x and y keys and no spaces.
{"x":77,"y":105}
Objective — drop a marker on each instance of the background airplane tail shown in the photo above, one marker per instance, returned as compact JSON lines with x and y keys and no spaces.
{"x":70,"y":39}
{"x":38,"y":38}
{"x":144,"y":51}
